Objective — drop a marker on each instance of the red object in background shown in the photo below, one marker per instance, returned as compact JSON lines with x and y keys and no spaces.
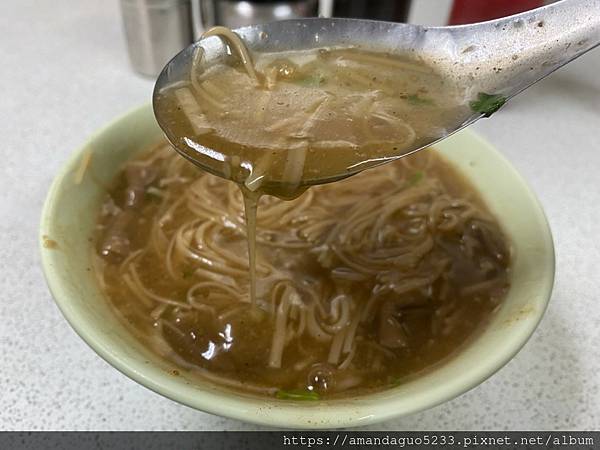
{"x":471,"y":11}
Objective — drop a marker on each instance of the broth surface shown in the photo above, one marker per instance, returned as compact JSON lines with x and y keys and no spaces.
{"x":361,"y":284}
{"x":307,"y":115}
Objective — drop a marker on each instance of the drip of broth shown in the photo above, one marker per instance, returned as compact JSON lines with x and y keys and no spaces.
{"x":362,"y":284}
{"x":250,"y":208}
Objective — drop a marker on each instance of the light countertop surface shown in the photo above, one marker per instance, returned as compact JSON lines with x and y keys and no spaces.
{"x":65,"y":73}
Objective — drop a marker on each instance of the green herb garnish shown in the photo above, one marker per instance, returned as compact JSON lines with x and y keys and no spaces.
{"x":313,"y":80}
{"x":297,"y":394}
{"x":415,"y":178}
{"x":487,"y":104}
{"x":415,"y":100}
{"x":395,"y":381}
{"x":153,"y":194}
{"x":187,"y":272}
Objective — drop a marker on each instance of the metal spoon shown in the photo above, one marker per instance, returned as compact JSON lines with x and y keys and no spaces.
{"x":500,"y":57}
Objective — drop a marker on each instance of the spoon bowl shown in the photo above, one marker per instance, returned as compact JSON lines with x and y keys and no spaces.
{"x":490,"y":62}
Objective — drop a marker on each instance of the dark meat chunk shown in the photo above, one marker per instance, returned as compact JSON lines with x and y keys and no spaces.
{"x":138,"y":178}
{"x":115,"y":245}
{"x":391,"y":333}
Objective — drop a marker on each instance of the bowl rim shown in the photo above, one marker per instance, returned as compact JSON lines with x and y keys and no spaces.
{"x":343,"y":413}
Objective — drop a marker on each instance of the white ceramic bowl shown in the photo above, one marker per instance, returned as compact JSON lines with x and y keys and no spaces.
{"x":69,"y":217}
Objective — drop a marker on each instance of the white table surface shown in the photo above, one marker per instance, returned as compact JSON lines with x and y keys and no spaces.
{"x":64,"y":73}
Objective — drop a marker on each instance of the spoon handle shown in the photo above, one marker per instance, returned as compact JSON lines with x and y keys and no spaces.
{"x":510,"y":54}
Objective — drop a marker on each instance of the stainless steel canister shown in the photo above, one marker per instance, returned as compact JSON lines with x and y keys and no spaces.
{"x":236,"y":13}
{"x":156,"y":30}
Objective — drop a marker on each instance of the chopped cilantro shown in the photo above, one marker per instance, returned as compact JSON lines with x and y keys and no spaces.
{"x":415,"y":178}
{"x":415,"y":100}
{"x":297,"y":394}
{"x":487,"y":104}
{"x":153,"y":194}
{"x":187,"y":272}
{"x":313,"y":80}
{"x":395,"y":381}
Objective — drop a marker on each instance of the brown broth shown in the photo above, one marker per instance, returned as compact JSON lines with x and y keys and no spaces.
{"x":315,"y":115}
{"x":403,"y":262}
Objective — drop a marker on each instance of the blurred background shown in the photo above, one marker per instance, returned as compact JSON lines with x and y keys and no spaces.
{"x":71,"y":66}
{"x":157,"y":29}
